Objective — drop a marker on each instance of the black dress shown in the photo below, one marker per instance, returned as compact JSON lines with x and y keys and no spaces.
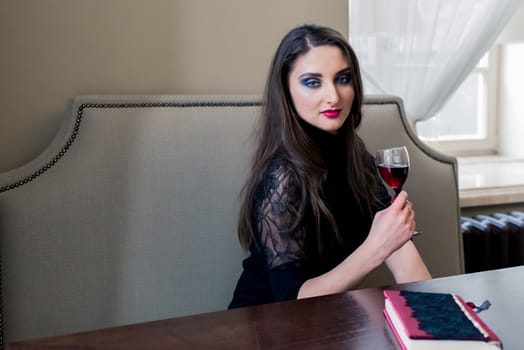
{"x":282,"y":257}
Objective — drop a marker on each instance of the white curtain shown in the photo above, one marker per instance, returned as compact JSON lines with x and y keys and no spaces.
{"x":422,"y":50}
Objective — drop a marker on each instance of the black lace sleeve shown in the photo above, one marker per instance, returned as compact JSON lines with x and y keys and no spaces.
{"x":278,"y":201}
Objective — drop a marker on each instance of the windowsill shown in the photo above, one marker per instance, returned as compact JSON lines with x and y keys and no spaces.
{"x":490,"y":180}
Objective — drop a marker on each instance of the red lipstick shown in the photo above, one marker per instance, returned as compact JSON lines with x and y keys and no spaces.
{"x":331,"y":113}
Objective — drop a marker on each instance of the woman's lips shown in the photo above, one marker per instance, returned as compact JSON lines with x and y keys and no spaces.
{"x":331,"y":113}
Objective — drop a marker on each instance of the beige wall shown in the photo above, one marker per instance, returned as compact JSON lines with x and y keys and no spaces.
{"x":53,"y":49}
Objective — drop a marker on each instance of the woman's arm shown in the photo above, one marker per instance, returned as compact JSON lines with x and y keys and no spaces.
{"x":390,"y":233}
{"x":344,"y":276}
{"x":406,"y":264}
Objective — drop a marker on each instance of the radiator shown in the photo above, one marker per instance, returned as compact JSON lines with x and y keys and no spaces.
{"x":493,"y":241}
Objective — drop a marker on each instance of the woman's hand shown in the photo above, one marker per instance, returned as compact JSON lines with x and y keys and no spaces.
{"x":388,"y":241}
{"x":392,"y":227}
{"x":390,"y":235}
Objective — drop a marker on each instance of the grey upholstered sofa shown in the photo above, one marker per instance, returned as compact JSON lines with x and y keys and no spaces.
{"x":130,"y":214}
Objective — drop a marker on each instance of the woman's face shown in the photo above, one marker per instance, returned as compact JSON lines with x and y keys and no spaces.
{"x":321,"y":88}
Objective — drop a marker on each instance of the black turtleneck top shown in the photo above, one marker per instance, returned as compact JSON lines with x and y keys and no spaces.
{"x":283,"y":255}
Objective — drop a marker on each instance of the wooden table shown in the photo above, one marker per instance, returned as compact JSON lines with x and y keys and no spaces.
{"x":352,"y":320}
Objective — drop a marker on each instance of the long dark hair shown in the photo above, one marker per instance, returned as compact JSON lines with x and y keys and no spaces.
{"x":279,"y":132}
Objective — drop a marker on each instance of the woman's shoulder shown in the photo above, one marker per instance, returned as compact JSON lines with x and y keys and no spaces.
{"x":280,"y":167}
{"x":279,"y":176}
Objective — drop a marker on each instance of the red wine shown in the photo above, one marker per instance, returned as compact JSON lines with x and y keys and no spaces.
{"x":394,"y":175}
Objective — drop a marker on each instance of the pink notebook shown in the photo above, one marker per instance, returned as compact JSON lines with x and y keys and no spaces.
{"x":422,"y":320}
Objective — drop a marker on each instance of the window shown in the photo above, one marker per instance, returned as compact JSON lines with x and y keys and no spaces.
{"x":474,"y":133}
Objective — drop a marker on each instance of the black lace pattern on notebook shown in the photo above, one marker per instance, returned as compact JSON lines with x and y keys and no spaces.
{"x":439,"y":315}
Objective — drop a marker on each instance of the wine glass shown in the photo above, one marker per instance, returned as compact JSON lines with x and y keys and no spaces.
{"x":393,"y":166}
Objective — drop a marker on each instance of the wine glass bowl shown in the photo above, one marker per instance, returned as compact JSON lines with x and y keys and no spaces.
{"x":393,"y":166}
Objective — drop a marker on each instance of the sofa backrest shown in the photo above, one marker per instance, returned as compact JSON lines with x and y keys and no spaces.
{"x":432,"y":186}
{"x":129,"y":215}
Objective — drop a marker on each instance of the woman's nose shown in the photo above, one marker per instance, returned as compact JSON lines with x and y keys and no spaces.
{"x":332,"y":95}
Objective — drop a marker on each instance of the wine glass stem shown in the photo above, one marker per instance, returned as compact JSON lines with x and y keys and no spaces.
{"x":397,"y":190}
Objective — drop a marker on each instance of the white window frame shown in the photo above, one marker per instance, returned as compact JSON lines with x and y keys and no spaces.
{"x":488,"y":144}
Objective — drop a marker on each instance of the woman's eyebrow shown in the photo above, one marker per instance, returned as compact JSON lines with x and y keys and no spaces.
{"x":308,"y":74}
{"x":344,"y":70}
{"x":318,"y":75}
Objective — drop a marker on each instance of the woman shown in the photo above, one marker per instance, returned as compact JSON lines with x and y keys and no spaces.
{"x":314,"y":214}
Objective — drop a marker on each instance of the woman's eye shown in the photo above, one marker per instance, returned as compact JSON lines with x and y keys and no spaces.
{"x":310,"y":83}
{"x":344,"y":79}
